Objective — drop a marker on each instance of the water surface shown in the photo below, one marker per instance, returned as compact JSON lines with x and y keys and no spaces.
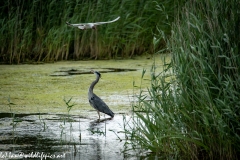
{"x":34,"y":117}
{"x":71,"y":136}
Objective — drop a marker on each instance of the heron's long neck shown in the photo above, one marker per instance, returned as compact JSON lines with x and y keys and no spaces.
{"x":93,"y":84}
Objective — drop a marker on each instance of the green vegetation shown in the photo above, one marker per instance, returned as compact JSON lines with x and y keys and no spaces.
{"x":67,"y":120}
{"x":36,"y":30}
{"x":34,"y":90}
{"x":192,"y":108}
{"x":195,"y":113}
{"x":15,"y":121}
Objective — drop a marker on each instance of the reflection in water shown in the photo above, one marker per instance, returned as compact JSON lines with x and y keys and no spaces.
{"x":75,"y":138}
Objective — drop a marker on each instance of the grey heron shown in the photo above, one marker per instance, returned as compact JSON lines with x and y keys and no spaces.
{"x":90,"y":25}
{"x":96,"y":102}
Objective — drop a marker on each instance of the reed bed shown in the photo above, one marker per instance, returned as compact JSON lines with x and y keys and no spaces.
{"x":194,"y":112}
{"x":36,"y":30}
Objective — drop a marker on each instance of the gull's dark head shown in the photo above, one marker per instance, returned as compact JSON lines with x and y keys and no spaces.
{"x":68,"y":23}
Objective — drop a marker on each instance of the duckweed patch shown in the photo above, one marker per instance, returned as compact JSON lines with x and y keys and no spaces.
{"x":33,"y":90}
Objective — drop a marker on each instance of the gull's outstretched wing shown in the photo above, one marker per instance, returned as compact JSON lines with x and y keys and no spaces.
{"x":99,"y":23}
{"x":79,"y":24}
{"x":91,"y":24}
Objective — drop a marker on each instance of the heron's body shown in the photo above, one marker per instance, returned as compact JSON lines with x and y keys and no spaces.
{"x":90,"y":25}
{"x":96,"y":102}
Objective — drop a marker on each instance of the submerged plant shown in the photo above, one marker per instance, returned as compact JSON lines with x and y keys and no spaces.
{"x":67,"y":118}
{"x":15,"y":120}
{"x":97,"y":132}
{"x":42,"y":121}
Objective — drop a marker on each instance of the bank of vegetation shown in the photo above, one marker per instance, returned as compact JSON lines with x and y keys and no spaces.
{"x":36,"y":30}
{"x":192,"y":109}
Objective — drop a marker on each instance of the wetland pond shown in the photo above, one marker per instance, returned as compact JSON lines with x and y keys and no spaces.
{"x":45,"y":114}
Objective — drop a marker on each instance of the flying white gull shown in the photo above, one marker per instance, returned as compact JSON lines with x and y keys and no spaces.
{"x":90,"y":25}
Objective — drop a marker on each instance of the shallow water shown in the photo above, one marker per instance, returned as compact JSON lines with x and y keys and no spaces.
{"x":34,"y":117}
{"x":71,"y":136}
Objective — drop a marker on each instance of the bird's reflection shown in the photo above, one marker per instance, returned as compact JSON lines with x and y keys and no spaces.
{"x":97,"y":121}
{"x":98,"y":127}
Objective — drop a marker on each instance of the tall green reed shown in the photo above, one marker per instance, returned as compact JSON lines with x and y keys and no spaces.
{"x":194,"y":114}
{"x":36,"y":30}
{"x":205,"y":50}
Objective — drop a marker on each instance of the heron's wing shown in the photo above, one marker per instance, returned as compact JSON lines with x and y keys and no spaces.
{"x":99,"y":23}
{"x":99,"y":105}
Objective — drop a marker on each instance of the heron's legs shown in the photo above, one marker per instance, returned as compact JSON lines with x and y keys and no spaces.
{"x":98,"y":115}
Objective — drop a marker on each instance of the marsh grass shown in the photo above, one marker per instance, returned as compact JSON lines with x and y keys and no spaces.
{"x":15,"y":121}
{"x":42,"y":121}
{"x":36,"y":30}
{"x":67,"y":122}
{"x":194,"y":113}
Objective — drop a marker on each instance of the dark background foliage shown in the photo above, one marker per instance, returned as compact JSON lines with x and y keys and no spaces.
{"x":35,"y":30}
